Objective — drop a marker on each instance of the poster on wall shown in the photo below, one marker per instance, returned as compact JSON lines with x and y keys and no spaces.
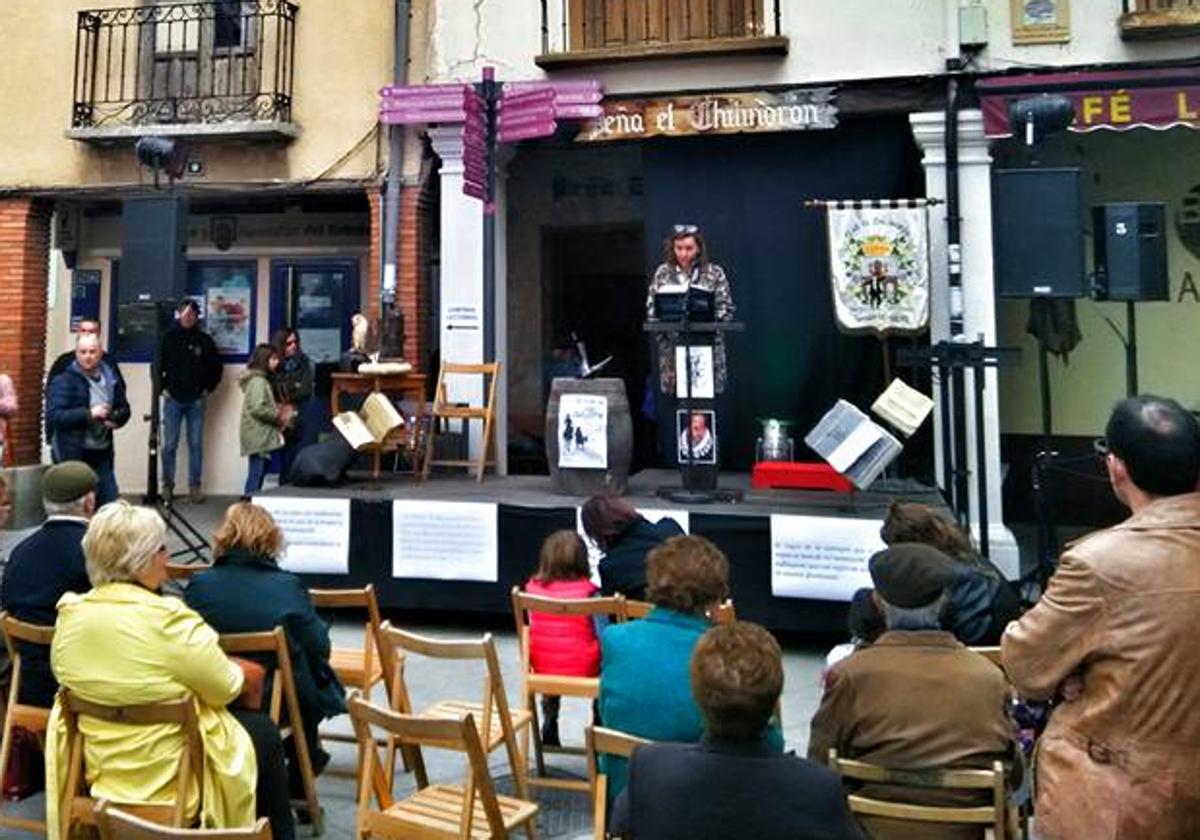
{"x":445,"y":540}
{"x":821,"y":557}
{"x":879,"y":268}
{"x":583,"y":432}
{"x":85,"y":296}
{"x":316,"y":533}
{"x":228,"y":318}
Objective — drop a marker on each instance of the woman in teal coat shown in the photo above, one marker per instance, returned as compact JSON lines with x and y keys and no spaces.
{"x":645,"y":671}
{"x":247,"y":592}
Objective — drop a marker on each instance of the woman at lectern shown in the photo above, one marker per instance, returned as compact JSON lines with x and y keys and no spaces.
{"x":685,"y":265}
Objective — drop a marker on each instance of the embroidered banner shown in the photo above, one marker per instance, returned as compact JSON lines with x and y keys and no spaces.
{"x":879,"y":267}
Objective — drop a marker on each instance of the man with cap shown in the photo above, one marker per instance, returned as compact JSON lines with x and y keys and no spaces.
{"x":189,"y":371}
{"x":917,"y":698}
{"x":47,"y":564}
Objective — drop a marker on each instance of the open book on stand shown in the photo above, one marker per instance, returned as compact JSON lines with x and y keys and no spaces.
{"x":371,"y":424}
{"x":853,"y":444}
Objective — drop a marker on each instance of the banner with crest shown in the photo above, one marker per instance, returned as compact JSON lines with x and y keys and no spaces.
{"x":879,"y":265}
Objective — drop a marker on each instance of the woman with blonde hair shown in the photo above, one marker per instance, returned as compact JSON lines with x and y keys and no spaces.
{"x":247,"y":592}
{"x":123,"y":644}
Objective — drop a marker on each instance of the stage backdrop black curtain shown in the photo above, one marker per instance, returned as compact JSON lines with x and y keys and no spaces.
{"x":746,"y":193}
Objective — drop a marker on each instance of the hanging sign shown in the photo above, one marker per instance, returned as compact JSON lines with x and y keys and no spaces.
{"x":879,"y":267}
{"x":748,"y":112}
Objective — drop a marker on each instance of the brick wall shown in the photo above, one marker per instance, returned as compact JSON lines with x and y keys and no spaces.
{"x":412,"y":285}
{"x":24,"y":258}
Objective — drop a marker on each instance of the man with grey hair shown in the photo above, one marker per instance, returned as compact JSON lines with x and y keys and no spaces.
{"x":47,"y":564}
{"x":84,"y":405}
{"x":917,"y":698}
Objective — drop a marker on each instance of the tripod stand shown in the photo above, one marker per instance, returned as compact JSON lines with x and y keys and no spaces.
{"x":194,"y":543}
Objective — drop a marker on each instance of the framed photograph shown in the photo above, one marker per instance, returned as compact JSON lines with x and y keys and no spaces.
{"x":1041,"y":21}
{"x":697,"y":429}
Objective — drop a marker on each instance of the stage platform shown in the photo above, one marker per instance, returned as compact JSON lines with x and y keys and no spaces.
{"x":527,"y":510}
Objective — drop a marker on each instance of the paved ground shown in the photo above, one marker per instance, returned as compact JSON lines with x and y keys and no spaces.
{"x":564,"y":814}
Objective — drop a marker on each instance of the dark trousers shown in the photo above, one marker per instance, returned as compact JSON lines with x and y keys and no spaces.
{"x":271,"y":796}
{"x":256,"y":470}
{"x":101,"y":460}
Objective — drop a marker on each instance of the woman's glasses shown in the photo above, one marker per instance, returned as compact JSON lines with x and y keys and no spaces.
{"x":685,"y":229}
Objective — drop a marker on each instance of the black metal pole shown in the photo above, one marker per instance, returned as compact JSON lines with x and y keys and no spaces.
{"x":1131,"y":353}
{"x":1047,"y":533}
{"x":943,"y":370}
{"x":979,"y":372}
{"x":962,"y":499}
{"x":490,"y":91}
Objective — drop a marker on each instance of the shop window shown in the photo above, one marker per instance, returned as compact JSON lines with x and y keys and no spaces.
{"x":225,"y":291}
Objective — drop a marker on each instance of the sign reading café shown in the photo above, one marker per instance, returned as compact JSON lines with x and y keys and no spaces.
{"x":724,"y":113}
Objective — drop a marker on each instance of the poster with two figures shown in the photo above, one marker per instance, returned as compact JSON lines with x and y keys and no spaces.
{"x":583,"y":432}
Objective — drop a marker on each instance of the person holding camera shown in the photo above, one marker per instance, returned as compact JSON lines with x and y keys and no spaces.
{"x":190,"y":370}
{"x":293,"y":385}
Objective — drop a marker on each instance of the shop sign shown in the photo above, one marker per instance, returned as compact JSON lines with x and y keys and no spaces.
{"x":748,"y":112}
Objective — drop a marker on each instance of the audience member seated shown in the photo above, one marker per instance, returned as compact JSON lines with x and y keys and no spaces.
{"x":247,"y":592}
{"x":625,"y":537}
{"x":982,"y":601}
{"x":46,"y":565}
{"x":563,"y":645}
{"x":1115,"y":636}
{"x":737,"y":677}
{"x":917,"y":698}
{"x":865,"y":623}
{"x":122,"y":644}
{"x":645,"y":685}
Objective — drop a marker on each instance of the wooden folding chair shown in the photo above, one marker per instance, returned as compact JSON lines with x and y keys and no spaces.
{"x":445,"y":410}
{"x":471,"y":810}
{"x":16,"y":715}
{"x":115,"y":824}
{"x":498,"y":724}
{"x":78,"y":807}
{"x":601,"y":741}
{"x":534,"y":683}
{"x":997,"y":813}
{"x":722,"y":613}
{"x":272,"y":645}
{"x":362,"y":668}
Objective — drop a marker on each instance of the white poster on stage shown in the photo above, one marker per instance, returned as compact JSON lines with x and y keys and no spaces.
{"x":316,"y":533}
{"x":821,"y":557}
{"x":445,"y":540}
{"x":583,"y":432}
{"x":703,"y":376}
{"x":681,"y":517}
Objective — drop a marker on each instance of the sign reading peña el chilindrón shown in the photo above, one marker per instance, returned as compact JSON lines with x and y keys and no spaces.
{"x":802,"y":109}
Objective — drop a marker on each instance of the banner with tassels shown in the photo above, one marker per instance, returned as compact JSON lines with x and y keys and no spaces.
{"x":879,"y":264}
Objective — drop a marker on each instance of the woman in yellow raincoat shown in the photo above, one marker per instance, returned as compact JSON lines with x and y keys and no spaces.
{"x":123,"y":644}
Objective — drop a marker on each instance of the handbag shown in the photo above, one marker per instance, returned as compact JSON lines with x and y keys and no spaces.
{"x":26,"y":771}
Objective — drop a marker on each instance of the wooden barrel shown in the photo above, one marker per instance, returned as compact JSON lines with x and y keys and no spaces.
{"x":614,"y":476}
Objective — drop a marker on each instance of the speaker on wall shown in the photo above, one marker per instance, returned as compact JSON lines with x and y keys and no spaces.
{"x":1130,"y":250}
{"x":153,"y":249}
{"x":1037,"y":223}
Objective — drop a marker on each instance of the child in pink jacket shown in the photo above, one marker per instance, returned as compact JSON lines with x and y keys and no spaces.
{"x":563,"y":645}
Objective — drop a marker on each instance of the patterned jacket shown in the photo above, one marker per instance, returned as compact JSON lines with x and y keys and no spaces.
{"x":707,"y":276}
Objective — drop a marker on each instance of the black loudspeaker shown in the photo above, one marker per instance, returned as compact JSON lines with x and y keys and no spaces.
{"x":154,"y":249}
{"x":1130,"y":249}
{"x":1037,"y":222}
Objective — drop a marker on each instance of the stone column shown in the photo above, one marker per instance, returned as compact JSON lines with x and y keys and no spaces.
{"x":461,"y":285}
{"x":979,"y":300}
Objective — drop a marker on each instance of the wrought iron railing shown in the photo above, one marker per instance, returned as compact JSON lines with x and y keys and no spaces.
{"x":223,"y":61}
{"x":585,"y":25}
{"x":1159,"y":5}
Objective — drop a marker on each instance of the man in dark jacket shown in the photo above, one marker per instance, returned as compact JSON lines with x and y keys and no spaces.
{"x":47,"y":564}
{"x":737,"y":677}
{"x":84,"y":405}
{"x":190,"y":370}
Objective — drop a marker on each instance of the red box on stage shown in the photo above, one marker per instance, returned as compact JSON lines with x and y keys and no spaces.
{"x":795,"y":475}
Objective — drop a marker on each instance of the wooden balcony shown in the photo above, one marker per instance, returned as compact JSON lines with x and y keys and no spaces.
{"x":576,"y":32}
{"x":1147,"y":19}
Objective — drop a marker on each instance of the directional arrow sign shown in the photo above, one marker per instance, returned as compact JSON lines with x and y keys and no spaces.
{"x":510,"y":120}
{"x":527,"y":131}
{"x":418,"y":91}
{"x":527,"y":99}
{"x":560,"y":87}
{"x":577,"y":112}
{"x":417,"y":116}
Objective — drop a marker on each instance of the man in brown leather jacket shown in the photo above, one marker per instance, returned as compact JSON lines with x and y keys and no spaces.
{"x":1116,"y":635}
{"x":917,"y":698}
